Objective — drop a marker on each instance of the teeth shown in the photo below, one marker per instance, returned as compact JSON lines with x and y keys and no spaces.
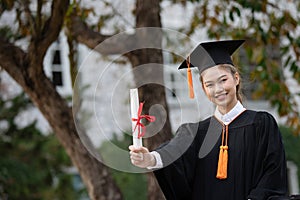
{"x":220,"y":95}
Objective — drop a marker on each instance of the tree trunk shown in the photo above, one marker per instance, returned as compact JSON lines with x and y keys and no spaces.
{"x":27,"y":70}
{"x":95,"y":175}
{"x":148,"y":15}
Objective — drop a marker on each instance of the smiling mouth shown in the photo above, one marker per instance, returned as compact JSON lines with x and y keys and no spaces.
{"x":221,"y":96}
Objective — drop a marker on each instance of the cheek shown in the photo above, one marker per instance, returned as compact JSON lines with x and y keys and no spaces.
{"x":229,"y":85}
{"x":208,"y":92}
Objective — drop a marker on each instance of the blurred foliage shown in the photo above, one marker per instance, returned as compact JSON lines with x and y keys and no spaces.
{"x":132,"y":185}
{"x":272,"y":47}
{"x":32,"y":165}
{"x":292,"y":146}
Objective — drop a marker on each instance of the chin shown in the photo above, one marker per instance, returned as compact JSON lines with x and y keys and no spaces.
{"x":224,"y":104}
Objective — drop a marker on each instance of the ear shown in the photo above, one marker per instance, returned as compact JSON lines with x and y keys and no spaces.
{"x":237,"y":78}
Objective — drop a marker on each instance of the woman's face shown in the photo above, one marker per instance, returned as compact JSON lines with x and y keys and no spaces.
{"x":220,"y":87}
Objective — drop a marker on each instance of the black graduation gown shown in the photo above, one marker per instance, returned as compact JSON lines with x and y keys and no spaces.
{"x":256,"y":161}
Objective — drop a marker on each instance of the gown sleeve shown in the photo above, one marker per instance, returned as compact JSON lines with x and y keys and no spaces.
{"x":269,"y":175}
{"x":179,"y":159}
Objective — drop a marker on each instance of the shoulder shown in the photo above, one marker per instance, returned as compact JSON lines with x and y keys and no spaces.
{"x":263,"y":116}
{"x":265,"y":122}
{"x":259,"y":116}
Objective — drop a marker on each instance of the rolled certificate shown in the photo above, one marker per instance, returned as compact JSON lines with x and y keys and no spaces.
{"x":134,"y":104}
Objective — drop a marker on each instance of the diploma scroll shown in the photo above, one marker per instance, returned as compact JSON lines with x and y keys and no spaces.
{"x":134,"y":104}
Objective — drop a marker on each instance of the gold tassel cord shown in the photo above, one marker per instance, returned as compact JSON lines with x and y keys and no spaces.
{"x":220,"y":163}
{"x":190,"y":79}
{"x":223,"y":155}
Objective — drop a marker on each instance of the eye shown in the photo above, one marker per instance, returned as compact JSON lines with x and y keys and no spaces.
{"x":209,"y":85}
{"x":223,"y":80}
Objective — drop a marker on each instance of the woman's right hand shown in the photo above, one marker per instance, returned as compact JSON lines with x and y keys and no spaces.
{"x":141,"y":157}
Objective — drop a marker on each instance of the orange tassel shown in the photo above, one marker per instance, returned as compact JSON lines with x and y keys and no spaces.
{"x":225,"y":161}
{"x":223,"y":157}
{"x":190,"y":83}
{"x":220,"y":164}
{"x":190,"y":79}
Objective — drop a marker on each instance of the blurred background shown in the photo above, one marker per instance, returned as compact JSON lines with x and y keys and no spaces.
{"x":66,"y":71}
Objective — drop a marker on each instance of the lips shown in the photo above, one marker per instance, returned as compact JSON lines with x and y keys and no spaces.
{"x":221,"y":96}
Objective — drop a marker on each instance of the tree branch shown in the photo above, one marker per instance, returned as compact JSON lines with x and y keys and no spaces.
{"x":12,"y":59}
{"x":39,"y":44}
{"x":92,"y":39}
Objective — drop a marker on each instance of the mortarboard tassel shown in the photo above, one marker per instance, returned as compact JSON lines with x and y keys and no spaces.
{"x":190,"y":79}
{"x":223,"y":155}
{"x":220,"y":164}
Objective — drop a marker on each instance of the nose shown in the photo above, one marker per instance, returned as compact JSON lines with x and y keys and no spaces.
{"x":219,"y":88}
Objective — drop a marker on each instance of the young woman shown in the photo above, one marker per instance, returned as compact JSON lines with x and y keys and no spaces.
{"x":236,"y":154}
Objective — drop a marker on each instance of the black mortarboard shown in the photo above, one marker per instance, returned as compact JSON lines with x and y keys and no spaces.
{"x":210,"y":54}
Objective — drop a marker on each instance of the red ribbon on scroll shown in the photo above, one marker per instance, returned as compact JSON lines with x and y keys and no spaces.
{"x":139,"y":125}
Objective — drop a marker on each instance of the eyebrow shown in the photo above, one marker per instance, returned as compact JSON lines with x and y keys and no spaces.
{"x":222,"y":76}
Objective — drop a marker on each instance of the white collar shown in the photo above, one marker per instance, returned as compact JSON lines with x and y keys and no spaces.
{"x":231,"y":115}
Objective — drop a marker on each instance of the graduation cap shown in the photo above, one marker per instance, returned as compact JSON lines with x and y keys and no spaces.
{"x":209,"y":54}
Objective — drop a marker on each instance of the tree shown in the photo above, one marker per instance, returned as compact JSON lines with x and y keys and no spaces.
{"x":25,"y":66}
{"x":27,"y":69}
{"x":219,"y":17}
{"x":147,"y":15}
{"x":272,"y":47}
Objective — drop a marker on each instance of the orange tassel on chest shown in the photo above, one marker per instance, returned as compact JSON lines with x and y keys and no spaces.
{"x":223,"y":155}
